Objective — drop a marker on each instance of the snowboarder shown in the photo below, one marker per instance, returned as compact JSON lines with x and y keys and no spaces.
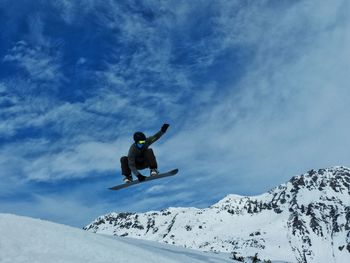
{"x":140,"y":156}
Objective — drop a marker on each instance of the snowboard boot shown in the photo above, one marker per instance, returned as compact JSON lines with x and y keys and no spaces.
{"x":127,"y":179}
{"x":154,"y":172}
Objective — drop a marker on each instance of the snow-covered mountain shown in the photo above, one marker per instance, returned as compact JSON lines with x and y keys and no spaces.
{"x":306,"y":219}
{"x":27,"y":240}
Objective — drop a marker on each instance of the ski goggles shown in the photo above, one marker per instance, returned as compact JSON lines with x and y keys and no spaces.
{"x":140,"y":144}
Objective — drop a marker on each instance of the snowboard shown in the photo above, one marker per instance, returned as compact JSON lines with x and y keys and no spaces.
{"x":148,"y":178}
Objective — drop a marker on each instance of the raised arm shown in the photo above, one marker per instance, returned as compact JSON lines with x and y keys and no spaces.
{"x":156,"y":136}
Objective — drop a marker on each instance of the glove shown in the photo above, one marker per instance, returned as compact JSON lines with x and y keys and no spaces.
{"x":141,"y":177}
{"x":164,"y":127}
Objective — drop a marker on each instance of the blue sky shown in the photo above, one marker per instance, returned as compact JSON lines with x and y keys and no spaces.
{"x":255,"y":92}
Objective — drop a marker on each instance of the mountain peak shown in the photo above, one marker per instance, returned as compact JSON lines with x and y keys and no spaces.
{"x":337,"y":177}
{"x":323,"y":177}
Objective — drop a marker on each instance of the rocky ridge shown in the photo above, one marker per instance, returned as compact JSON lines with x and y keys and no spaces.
{"x":306,"y":219}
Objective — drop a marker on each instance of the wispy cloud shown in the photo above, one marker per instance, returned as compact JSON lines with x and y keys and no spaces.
{"x":286,"y":113}
{"x":37,"y":62}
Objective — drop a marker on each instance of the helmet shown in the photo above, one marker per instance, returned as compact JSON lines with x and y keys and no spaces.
{"x":139,"y":136}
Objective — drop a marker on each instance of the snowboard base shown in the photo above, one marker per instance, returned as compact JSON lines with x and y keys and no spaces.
{"x":148,"y":178}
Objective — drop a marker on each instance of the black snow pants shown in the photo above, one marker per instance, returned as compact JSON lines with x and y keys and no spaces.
{"x":148,"y":160}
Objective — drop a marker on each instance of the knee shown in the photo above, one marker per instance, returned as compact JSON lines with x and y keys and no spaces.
{"x":150,"y":151}
{"x":150,"y":155}
{"x":124,"y":159}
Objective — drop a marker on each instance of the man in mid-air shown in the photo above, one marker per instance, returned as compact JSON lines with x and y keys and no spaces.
{"x":140,"y":156}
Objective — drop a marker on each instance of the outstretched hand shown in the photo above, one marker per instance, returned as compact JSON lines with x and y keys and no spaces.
{"x":164,"y":127}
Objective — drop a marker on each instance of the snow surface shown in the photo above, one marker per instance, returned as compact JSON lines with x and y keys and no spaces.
{"x":24,"y":239}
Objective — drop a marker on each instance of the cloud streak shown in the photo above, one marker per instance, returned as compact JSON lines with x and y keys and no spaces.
{"x":287,"y":112}
{"x":37,"y":63}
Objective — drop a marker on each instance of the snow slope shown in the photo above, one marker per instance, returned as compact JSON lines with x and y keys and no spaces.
{"x":30,"y":240}
{"x":304,"y":220}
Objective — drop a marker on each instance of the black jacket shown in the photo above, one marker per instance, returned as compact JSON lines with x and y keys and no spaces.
{"x":137,"y":153}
